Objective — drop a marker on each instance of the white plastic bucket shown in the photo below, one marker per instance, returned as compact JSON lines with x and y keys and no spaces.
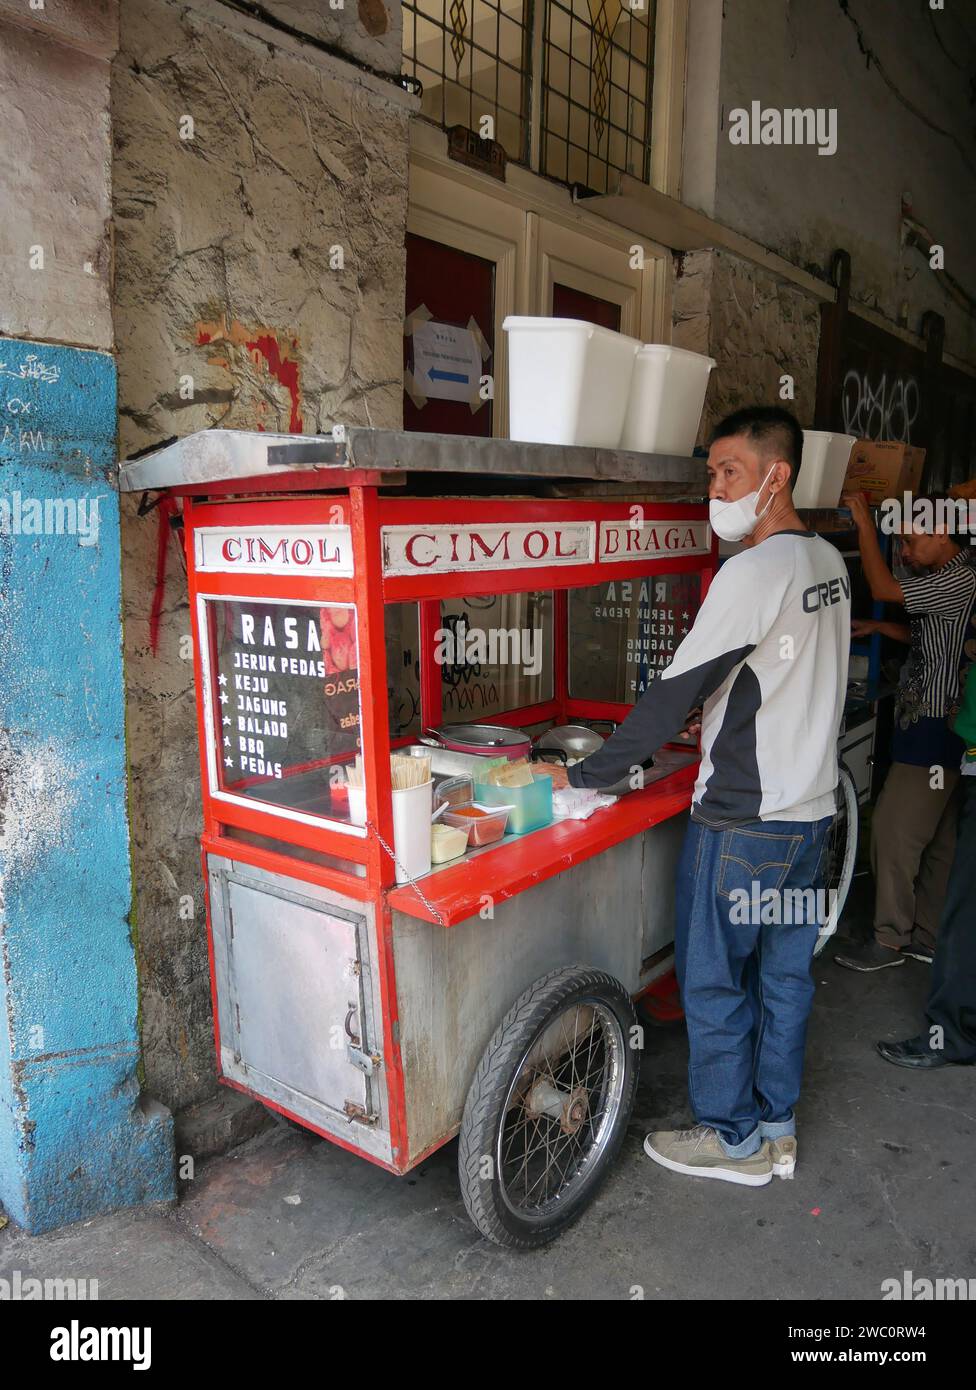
{"x":823,"y":469}
{"x":568,"y":381}
{"x":357,"y":805}
{"x":412,"y":808}
{"x":667,"y":392}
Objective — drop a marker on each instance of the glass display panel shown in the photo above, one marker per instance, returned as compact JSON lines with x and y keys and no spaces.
{"x":402,"y":630}
{"x":622,"y":633}
{"x":286,"y":710}
{"x":495,"y":654}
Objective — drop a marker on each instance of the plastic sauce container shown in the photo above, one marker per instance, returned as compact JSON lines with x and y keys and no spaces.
{"x":485,"y":824}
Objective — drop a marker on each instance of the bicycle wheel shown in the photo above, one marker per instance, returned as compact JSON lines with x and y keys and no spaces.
{"x":841,"y":855}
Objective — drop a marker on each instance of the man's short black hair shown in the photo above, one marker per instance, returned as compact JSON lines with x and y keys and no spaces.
{"x":773,"y":430}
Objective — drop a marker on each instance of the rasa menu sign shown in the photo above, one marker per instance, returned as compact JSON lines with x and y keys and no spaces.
{"x":287,"y":689}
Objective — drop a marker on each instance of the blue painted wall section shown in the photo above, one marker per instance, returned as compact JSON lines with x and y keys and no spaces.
{"x":75,"y":1138}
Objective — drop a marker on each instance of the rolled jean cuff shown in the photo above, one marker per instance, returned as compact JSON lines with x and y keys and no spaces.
{"x":781,"y":1130}
{"x":750,"y":1145}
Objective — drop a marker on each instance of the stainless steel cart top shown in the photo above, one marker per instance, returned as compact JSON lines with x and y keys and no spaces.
{"x":220,"y":456}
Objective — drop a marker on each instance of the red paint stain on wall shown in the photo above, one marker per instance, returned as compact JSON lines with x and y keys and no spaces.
{"x":263,"y":346}
{"x":284,"y":370}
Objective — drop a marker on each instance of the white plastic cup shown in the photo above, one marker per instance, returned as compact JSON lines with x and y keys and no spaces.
{"x":357,"y":805}
{"x":412,"y":808}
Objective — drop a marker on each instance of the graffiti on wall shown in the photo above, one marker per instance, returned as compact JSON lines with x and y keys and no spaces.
{"x":880,"y":407}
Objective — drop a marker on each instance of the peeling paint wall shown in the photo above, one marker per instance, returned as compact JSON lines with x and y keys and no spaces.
{"x":74,"y":1140}
{"x":259,"y":285}
{"x":76,"y":1136}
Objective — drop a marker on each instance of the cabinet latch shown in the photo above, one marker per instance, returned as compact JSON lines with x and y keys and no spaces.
{"x":359,"y":1113}
{"x":366,"y":1062}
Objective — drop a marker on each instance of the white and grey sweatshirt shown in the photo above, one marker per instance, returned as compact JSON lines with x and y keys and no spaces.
{"x":767,"y":655}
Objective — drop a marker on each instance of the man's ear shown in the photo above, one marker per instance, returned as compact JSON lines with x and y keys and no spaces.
{"x":783,"y":475}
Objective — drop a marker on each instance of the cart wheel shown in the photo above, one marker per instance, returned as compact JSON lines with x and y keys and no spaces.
{"x":548,"y":1107}
{"x":841,"y":855}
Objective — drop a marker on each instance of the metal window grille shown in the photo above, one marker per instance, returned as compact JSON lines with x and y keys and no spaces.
{"x":590,"y":102}
{"x":472,"y":58}
{"x":596,"y":90}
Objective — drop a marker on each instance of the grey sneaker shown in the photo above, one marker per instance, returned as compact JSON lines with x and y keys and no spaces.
{"x":869,"y":957}
{"x":918,"y":951}
{"x":782,"y":1153}
{"x":699,"y":1153}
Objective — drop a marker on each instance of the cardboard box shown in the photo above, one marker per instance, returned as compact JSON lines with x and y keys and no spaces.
{"x":884,"y":470}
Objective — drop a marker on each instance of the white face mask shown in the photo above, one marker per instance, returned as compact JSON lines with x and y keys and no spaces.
{"x":733,"y":521}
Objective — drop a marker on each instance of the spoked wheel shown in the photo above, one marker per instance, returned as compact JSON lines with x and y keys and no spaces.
{"x":548,"y":1107}
{"x":841,"y":855}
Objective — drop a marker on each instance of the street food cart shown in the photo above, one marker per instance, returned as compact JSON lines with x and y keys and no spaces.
{"x":490,"y":997}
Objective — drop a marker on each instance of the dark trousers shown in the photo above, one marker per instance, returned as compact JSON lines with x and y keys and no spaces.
{"x":952,"y":999}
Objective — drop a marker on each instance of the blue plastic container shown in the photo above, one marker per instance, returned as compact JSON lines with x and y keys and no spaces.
{"x":532,"y":805}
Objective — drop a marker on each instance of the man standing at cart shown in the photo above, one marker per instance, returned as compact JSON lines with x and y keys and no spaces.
{"x":767,"y":655}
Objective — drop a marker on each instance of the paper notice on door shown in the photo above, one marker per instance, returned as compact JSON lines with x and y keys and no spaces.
{"x":447,"y":361}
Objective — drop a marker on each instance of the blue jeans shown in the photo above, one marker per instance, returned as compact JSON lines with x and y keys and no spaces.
{"x":743,"y":948}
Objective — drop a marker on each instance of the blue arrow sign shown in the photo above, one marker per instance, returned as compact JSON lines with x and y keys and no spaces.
{"x":436,"y":374}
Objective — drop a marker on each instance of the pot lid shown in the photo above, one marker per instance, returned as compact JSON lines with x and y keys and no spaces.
{"x":484,"y":735}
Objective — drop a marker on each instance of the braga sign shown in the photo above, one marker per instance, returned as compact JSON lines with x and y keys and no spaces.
{"x":450,"y":549}
{"x":652,"y":540}
{"x":316,"y":550}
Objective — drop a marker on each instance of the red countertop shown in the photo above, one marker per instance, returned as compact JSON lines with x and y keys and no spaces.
{"x":457,"y":891}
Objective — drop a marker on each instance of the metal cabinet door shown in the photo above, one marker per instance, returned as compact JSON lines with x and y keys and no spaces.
{"x":295,"y":977}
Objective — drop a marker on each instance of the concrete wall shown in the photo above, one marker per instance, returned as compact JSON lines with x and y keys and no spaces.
{"x":54,"y":170}
{"x":758,"y":327}
{"x":803,"y":205}
{"x":76,"y":1136}
{"x":367,"y":31}
{"x":231,"y":310}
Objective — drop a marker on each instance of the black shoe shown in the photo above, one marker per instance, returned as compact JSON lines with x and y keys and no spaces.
{"x":915,"y":1052}
{"x":869,"y":957}
{"x":918,"y":952}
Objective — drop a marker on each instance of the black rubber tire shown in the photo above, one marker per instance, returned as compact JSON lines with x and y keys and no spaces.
{"x":526,"y":1020}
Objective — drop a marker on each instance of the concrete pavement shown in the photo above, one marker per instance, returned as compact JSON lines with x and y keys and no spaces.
{"x":883,"y":1180}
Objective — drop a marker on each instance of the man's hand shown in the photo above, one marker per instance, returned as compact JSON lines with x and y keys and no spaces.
{"x":692,"y":726}
{"x":859,"y":509}
{"x":558,"y":773}
{"x":863,"y":627}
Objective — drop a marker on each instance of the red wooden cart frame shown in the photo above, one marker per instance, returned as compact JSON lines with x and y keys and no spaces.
{"x":454,"y":892}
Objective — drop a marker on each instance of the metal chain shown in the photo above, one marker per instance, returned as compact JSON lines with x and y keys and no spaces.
{"x":412,"y":881}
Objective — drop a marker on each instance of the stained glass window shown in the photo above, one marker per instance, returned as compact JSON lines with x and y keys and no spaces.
{"x":589,"y":98}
